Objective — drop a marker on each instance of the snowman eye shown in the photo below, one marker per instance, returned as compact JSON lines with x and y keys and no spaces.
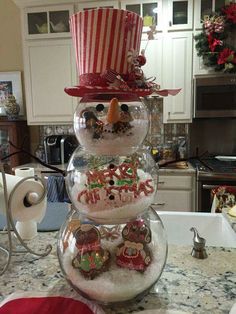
{"x":100,"y":107}
{"x":124,"y":107}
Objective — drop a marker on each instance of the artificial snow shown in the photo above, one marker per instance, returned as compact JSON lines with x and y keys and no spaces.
{"x":115,"y":143}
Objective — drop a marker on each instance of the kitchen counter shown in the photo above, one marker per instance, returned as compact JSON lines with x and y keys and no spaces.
{"x":177,"y":171}
{"x":38,"y":167}
{"x":187,"y":284}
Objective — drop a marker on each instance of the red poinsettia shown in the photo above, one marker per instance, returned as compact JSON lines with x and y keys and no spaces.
{"x":230,"y":12}
{"x":226,"y":55}
{"x":213,"y":42}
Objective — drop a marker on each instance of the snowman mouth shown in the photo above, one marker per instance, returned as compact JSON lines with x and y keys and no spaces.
{"x":118,"y":128}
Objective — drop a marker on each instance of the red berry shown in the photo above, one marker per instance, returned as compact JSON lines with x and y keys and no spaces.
{"x":141,"y":60}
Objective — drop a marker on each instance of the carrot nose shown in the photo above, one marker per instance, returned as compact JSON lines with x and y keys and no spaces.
{"x":113,"y":114}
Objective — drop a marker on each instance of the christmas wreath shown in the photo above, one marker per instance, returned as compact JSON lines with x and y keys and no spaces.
{"x":216,"y":44}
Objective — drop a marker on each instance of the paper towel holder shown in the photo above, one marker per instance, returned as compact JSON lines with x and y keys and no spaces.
{"x":31,"y":198}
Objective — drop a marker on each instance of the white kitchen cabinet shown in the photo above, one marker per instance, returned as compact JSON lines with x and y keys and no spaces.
{"x":49,"y":66}
{"x":179,"y":15}
{"x":174,"y":201}
{"x":47,"y":22}
{"x":151,"y":12}
{"x":175,"y":192}
{"x":154,"y":54}
{"x":177,"y":73}
{"x":203,"y":7}
{"x":49,"y":61}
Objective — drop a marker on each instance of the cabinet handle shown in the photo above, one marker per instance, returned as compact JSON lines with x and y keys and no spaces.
{"x":170,"y":23}
{"x":161,"y":182}
{"x":158,"y":204}
{"x":210,"y":186}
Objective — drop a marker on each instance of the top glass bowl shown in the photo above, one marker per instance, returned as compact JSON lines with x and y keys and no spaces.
{"x":111,"y":124}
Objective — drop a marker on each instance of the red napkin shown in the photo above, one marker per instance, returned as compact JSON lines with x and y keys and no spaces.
{"x":46,"y":305}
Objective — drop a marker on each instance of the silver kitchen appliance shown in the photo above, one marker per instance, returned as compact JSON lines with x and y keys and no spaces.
{"x":215,"y":96}
{"x":59,"y":148}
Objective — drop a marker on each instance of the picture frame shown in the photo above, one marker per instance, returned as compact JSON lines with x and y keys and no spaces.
{"x":10,"y":83}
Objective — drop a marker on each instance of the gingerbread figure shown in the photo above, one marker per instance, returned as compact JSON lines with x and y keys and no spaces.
{"x":134,"y":253}
{"x":91,"y":259}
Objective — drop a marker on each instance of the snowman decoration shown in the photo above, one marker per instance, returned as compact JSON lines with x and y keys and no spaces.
{"x":111,"y":179}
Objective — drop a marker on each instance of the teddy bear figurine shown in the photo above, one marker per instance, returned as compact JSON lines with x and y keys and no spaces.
{"x":91,"y":259}
{"x":134,"y":253}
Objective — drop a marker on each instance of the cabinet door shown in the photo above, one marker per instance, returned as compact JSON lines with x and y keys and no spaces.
{"x":177,"y":73}
{"x":170,"y":200}
{"x":206,"y":7}
{"x":176,"y":182}
{"x":47,"y":21}
{"x":16,"y":132}
{"x":153,"y":53}
{"x":49,"y":68}
{"x":150,"y":11}
{"x":180,"y":14}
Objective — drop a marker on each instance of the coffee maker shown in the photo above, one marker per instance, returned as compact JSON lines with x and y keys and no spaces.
{"x":59,"y":148}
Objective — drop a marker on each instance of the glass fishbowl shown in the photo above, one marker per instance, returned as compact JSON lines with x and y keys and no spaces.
{"x":111,"y":189}
{"x":112,"y":263}
{"x":111,"y":124}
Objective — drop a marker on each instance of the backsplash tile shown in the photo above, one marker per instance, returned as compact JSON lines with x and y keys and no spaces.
{"x":159,"y":133}
{"x":56,"y":130}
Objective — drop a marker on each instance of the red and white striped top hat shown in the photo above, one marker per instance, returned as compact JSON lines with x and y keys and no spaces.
{"x":107,"y":44}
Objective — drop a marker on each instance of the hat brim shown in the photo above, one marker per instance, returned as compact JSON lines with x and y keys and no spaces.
{"x":80,"y":91}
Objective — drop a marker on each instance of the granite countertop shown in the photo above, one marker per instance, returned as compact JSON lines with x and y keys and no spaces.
{"x":187,"y":284}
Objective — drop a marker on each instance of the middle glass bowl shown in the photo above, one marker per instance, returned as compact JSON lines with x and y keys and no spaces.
{"x":111,"y":189}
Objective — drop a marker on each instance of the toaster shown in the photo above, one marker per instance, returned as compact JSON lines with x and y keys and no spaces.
{"x":59,"y":148}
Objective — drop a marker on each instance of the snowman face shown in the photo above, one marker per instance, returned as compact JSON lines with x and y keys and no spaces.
{"x":111,"y":126}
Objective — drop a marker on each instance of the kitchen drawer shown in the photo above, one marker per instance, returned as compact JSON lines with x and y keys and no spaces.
{"x":175,"y":182}
{"x":170,"y":200}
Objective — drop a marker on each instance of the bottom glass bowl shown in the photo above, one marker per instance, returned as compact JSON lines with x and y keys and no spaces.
{"x":112,"y":263}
